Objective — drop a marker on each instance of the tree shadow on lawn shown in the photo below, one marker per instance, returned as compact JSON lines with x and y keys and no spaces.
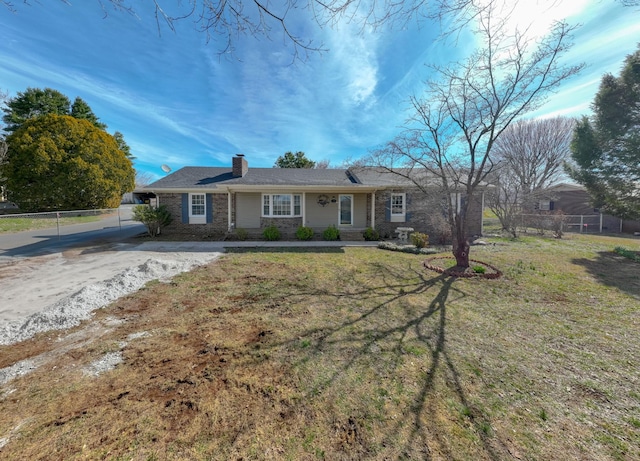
{"x":361,"y":335}
{"x":614,"y":270}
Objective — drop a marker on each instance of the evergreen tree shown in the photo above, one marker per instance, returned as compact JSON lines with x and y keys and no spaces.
{"x":31,"y":103}
{"x":291,"y":160}
{"x":122,"y":145}
{"x":81,"y":110}
{"x":57,"y":162}
{"x":606,"y":147}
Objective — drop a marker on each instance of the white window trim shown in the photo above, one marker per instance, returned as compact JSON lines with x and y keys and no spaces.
{"x":197,"y":218}
{"x":340,"y":209}
{"x":271,"y":215}
{"x":398,"y":217}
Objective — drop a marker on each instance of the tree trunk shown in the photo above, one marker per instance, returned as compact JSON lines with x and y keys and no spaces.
{"x":461,"y":251}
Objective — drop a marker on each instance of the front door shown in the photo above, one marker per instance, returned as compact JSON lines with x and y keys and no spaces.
{"x":346,"y":210}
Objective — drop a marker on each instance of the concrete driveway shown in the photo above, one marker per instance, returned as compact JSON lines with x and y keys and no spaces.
{"x":55,"y":286}
{"x":56,"y":283}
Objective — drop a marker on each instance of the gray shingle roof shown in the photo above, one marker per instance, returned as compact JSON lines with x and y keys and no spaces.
{"x":193,"y":177}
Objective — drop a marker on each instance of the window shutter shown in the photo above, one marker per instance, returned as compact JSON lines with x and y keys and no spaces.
{"x":209,"y":206}
{"x":387,"y":209}
{"x":407,"y":215}
{"x":550,"y":206}
{"x":185,"y":208}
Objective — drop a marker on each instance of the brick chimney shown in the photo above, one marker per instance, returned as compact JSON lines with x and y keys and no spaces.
{"x":239,"y":166}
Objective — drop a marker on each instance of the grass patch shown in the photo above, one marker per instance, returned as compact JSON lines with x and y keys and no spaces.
{"x":9,"y":225}
{"x":353,"y":354}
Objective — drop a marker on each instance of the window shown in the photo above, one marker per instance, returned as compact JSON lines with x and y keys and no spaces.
{"x":398,"y":207}
{"x":197,"y":205}
{"x":545,"y":205}
{"x":281,"y":205}
{"x":197,"y":209}
{"x":346,"y":210}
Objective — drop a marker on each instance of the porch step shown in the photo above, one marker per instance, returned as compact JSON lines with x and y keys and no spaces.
{"x":351,"y":235}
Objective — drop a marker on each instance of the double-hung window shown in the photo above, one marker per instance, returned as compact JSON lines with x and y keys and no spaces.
{"x":197,"y":209}
{"x":281,"y":205}
{"x":398,"y":207}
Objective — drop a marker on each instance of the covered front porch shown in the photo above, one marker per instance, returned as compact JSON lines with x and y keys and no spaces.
{"x":351,"y":212}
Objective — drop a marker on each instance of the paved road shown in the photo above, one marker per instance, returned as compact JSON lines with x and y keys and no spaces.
{"x":47,"y":241}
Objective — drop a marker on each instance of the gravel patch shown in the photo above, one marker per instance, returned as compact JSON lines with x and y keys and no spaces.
{"x":70,"y":311}
{"x":106,"y":363}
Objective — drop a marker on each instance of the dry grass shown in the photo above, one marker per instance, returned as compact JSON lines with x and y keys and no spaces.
{"x":346,"y":355}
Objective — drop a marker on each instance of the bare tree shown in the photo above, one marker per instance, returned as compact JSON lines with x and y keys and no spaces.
{"x":143,"y":178}
{"x":451,"y":134}
{"x":529,"y":156}
{"x":226,"y":20}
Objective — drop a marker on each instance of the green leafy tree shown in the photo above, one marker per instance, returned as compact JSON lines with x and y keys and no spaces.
{"x":605,"y":149}
{"x":291,"y":160}
{"x":32,"y":103}
{"x":59,"y":162}
{"x":80,"y":109}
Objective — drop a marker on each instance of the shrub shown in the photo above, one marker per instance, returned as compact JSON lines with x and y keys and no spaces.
{"x":627,"y":253}
{"x":479,"y":269}
{"x":370,"y":234}
{"x":331,"y":233}
{"x":241,"y":234}
{"x":419,"y":240}
{"x":407,"y":249}
{"x":155,"y":218}
{"x":304,"y":233}
{"x":271,"y":233}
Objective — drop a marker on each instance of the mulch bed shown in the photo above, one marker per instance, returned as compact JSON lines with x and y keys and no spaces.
{"x":441,"y":264}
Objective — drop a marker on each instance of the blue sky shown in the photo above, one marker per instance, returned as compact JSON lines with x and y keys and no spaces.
{"x":179,"y":102}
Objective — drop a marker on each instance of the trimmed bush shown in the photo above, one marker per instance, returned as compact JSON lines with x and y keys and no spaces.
{"x":241,"y":234}
{"x":304,"y":233}
{"x":271,"y":233}
{"x":331,"y":233}
{"x":419,"y":240}
{"x":371,"y":235}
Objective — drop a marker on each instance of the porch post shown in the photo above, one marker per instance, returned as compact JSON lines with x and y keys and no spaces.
{"x":373,"y":210}
{"x":229,"y":215}
{"x":303,"y":205}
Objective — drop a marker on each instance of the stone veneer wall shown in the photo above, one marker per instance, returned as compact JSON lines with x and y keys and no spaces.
{"x":219,"y":226}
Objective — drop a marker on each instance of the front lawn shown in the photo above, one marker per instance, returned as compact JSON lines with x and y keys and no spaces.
{"x":348,"y":354}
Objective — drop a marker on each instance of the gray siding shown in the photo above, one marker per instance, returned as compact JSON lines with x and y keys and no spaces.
{"x":248,"y":210}
{"x":320,"y":217}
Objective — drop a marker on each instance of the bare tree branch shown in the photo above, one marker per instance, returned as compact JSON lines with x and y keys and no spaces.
{"x":530,"y":156}
{"x":467,"y":107}
{"x":226,"y":20}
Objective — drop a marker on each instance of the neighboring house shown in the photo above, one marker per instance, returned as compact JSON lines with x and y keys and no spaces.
{"x":574,"y":201}
{"x":212,"y":201}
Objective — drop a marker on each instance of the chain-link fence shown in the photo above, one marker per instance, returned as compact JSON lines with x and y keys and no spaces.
{"x":62,"y":223}
{"x":556,"y":223}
